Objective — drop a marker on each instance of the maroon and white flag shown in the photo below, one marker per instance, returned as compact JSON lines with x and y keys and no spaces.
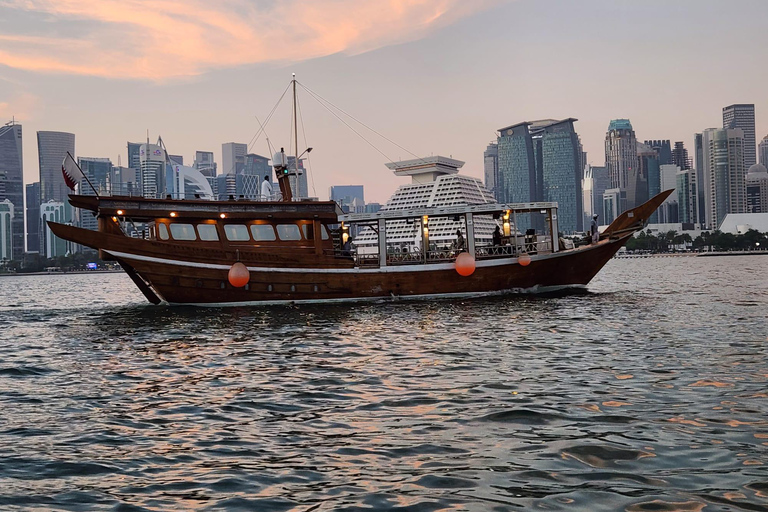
{"x":71,"y":171}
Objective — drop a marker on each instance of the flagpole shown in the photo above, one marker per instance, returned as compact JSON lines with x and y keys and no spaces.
{"x":84,"y":176}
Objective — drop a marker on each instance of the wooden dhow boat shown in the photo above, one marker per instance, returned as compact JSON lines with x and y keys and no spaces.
{"x":202,"y":252}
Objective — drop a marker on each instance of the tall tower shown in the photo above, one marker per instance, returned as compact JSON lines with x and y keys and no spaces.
{"x":762,"y":151}
{"x":724,"y":174}
{"x":491,"y":169}
{"x":621,"y":156}
{"x":33,"y":217}
{"x":743,"y":116}
{"x":233,"y":157}
{"x":51,"y":149}
{"x":12,"y":183}
{"x":680,"y":156}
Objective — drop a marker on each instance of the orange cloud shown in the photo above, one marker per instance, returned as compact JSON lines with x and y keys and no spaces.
{"x":160,"y":39}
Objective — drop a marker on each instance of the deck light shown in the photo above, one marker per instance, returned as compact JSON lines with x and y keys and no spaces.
{"x":114,"y":219}
{"x":344,"y":233}
{"x":506,"y":223}
{"x":119,"y":212}
{"x":223,"y":215}
{"x":173,"y":214}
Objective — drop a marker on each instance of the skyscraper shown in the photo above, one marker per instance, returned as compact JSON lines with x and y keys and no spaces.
{"x":724,"y":174}
{"x":257,"y":165}
{"x":742,"y":116}
{"x":698,"y":150}
{"x":648,"y":164}
{"x":6,"y":230}
{"x":541,"y":161}
{"x":152,"y":162}
{"x":205,"y":164}
{"x":12,"y":178}
{"x":663,"y":148}
{"x":680,"y":156}
{"x":351,"y":198}
{"x":762,"y":151}
{"x":621,"y":158}
{"x":233,"y":157}
{"x":51,"y":149}
{"x":134,"y":155}
{"x":686,"y":196}
{"x":491,"y":169}
{"x":33,"y":217}
{"x":99,"y":174}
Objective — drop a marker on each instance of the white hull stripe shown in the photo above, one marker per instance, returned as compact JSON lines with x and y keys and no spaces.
{"x":292,"y":270}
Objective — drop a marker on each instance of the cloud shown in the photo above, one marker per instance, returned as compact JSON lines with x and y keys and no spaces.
{"x":161,"y":39}
{"x":22,"y":106}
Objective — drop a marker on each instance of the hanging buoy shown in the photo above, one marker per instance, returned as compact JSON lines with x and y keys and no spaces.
{"x":239,"y":275}
{"x":524,"y":260}
{"x":465,"y":264}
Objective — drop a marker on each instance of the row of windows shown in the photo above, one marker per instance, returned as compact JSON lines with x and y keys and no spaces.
{"x":238,"y":232}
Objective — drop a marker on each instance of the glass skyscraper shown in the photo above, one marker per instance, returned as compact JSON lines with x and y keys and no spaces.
{"x":33,"y":217}
{"x":12,"y":182}
{"x":743,"y":116}
{"x":51,"y":149}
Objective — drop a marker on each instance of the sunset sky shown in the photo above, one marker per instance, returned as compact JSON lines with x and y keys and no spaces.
{"x":435,"y":76}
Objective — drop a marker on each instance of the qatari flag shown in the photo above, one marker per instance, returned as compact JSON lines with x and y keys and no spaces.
{"x":71,"y":171}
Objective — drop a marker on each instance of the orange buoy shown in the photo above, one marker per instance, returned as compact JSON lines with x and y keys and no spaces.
{"x":465,"y":264}
{"x":524,"y":259}
{"x":239,"y":275}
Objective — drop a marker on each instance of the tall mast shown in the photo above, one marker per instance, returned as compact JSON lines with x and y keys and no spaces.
{"x":295,"y":134}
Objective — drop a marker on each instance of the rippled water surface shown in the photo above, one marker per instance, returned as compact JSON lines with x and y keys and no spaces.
{"x":649,"y":392}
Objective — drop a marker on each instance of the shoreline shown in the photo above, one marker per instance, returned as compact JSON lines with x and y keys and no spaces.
{"x":692,"y":254}
{"x":61,"y":273}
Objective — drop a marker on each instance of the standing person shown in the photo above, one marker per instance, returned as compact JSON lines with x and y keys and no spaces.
{"x":266,"y":189}
{"x":593,"y":230}
{"x":497,"y":236}
{"x":460,"y":243}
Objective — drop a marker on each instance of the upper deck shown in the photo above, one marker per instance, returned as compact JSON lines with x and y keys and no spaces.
{"x":141,"y":209}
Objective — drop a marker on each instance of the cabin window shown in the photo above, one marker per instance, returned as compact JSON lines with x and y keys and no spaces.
{"x":236,"y":232}
{"x":263,"y":232}
{"x":309,"y":232}
{"x":183,"y":231}
{"x":207,"y":232}
{"x":288,"y":232}
{"x":162,"y":229}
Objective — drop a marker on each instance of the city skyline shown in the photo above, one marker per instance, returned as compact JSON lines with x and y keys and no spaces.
{"x":383,"y":80}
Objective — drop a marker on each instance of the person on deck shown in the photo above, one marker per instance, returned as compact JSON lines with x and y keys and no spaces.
{"x":460,"y":243}
{"x":266,"y":189}
{"x":497,"y":236}
{"x":593,"y":230}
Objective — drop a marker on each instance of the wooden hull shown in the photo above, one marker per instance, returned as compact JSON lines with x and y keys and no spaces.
{"x":200,"y":280}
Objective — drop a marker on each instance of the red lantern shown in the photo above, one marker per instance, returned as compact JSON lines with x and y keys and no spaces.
{"x":239,"y":275}
{"x":524,"y":260}
{"x":465,"y":264}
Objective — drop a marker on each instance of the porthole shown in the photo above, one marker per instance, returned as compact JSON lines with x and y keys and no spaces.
{"x":269,"y":287}
{"x":293,"y":287}
{"x":223,"y":285}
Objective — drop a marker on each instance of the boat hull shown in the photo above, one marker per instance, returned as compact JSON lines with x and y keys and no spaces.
{"x":182,"y":282}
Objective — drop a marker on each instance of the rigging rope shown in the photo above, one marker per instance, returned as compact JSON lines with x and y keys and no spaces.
{"x":304,"y":133}
{"x":322,"y":100}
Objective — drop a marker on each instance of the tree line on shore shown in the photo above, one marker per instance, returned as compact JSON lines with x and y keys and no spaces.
{"x":37,"y":263}
{"x":672,"y":241}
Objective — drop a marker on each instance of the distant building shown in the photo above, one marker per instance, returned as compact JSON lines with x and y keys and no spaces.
{"x":257,"y":165}
{"x":233,"y":157}
{"x":350,"y":198}
{"x":621,"y":158}
{"x":435,"y":182}
{"x":698,"y":144}
{"x":491,"y":169}
{"x":52,"y":147}
{"x":724,"y":174}
{"x":687,"y":210}
{"x":762,"y":151}
{"x":669,"y":211}
{"x":205,"y":164}
{"x":237,"y":186}
{"x":614,"y":203}
{"x":134,"y":155}
{"x":176,"y":159}
{"x":593,"y":185}
{"x":757,"y":189}
{"x":12,"y":181}
{"x":663,"y":149}
{"x":372,"y":207}
{"x":6,"y":230}
{"x":99,"y":174}
{"x":126,"y":181}
{"x":742,"y":116}
{"x":650,"y":176}
{"x":680,"y":156}
{"x":740,"y":223}
{"x":542,"y":161}
{"x":299,"y":185}
{"x":152,"y":163}
{"x":51,"y":244}
{"x":33,"y":217}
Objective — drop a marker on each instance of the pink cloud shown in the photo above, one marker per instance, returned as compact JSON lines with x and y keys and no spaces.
{"x":160,"y":39}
